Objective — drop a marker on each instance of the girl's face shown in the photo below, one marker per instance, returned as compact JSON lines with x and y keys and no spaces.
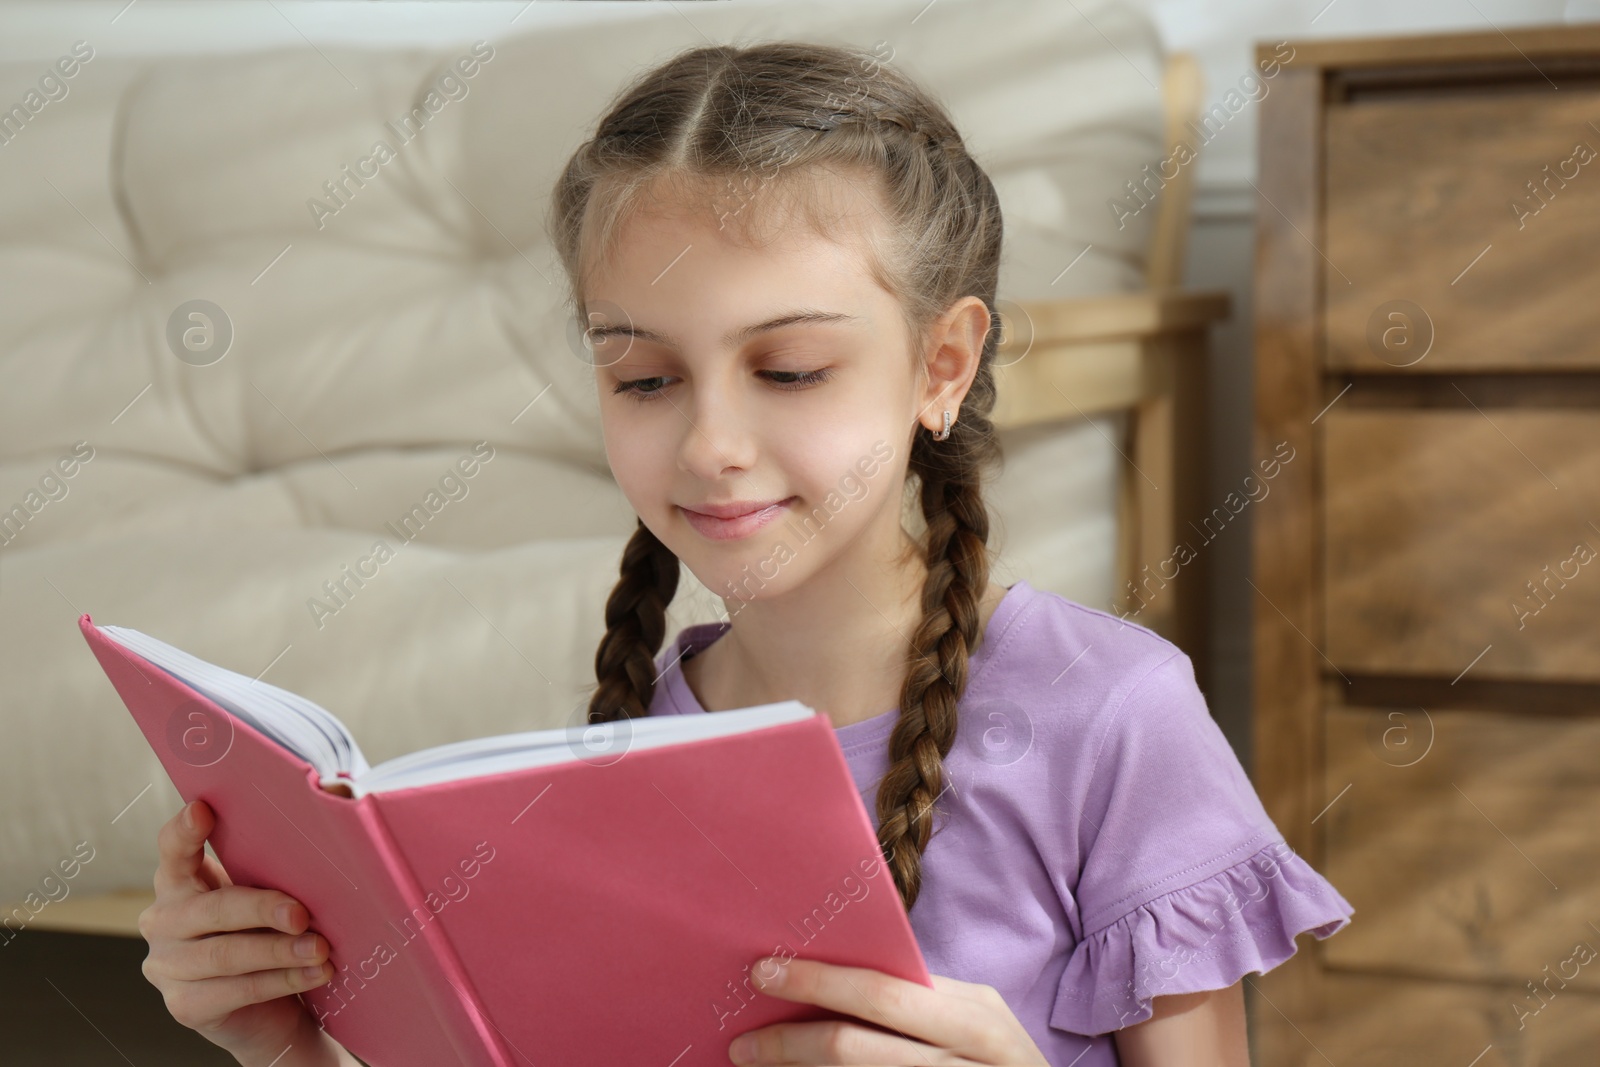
{"x":744,"y":376}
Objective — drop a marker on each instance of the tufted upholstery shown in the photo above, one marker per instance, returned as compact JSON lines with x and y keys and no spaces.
{"x":374,"y":345}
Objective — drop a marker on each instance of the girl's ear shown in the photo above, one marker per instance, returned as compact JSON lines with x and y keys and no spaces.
{"x":953,"y":354}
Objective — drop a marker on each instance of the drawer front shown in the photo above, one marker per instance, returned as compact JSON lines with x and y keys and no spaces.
{"x":1447,"y":205}
{"x":1465,"y":841}
{"x":1450,"y":532}
{"x":1371,"y":1020}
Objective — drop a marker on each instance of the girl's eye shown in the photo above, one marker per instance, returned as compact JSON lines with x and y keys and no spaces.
{"x":637,"y":393}
{"x":795,"y":379}
{"x":643,"y":389}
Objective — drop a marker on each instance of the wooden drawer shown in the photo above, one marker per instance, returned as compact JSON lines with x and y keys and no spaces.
{"x":1465,"y":841}
{"x":1436,"y":521}
{"x":1419,"y":189}
{"x":1386,"y":1021}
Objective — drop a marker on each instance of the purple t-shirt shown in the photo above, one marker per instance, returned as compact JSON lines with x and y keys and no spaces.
{"x":1098,"y":843}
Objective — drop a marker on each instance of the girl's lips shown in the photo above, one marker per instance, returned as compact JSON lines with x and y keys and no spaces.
{"x":732,"y":529}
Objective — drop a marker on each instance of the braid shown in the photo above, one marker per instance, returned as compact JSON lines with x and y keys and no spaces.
{"x":636,"y":622}
{"x":936,"y":676}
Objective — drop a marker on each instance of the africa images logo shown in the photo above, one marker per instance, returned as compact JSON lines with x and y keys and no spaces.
{"x":197,"y":735}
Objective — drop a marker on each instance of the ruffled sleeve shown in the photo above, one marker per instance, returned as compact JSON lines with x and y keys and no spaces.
{"x":1186,"y":884}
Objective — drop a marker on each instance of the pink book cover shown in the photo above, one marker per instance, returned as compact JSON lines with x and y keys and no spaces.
{"x":594,"y":910}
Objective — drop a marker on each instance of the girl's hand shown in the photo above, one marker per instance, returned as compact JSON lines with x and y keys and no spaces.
{"x":954,"y":1024}
{"x":228,"y":959}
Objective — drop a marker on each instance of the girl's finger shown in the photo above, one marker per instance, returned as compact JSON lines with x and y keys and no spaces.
{"x":243,"y":953}
{"x":212,"y":872}
{"x":204,"y":1005}
{"x":920,"y":1013}
{"x":236,"y":907}
{"x":956,"y":987}
{"x":834,"y":1042}
{"x":182,"y":849}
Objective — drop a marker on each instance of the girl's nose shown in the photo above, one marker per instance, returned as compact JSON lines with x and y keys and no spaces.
{"x":717,"y":435}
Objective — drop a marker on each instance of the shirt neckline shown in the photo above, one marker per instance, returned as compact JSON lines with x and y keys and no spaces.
{"x":868,"y":733}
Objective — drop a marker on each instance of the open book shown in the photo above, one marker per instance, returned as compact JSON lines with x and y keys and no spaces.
{"x":584,"y":895}
{"x":318,"y":737}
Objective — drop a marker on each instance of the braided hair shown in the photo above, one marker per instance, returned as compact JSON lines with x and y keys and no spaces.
{"x":763,"y":119}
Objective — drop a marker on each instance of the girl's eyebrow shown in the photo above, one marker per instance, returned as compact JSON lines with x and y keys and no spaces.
{"x":734,"y":338}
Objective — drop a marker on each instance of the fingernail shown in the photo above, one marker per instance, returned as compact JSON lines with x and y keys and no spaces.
{"x":743,"y":1049}
{"x":282,"y":914}
{"x":188,"y":816}
{"x":312,"y":972}
{"x":305,"y":945}
{"x":768,"y":972}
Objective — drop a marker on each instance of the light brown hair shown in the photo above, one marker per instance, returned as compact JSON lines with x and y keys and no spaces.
{"x":772,"y":118}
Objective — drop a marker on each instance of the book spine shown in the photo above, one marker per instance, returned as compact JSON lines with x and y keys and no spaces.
{"x":485,"y":1044}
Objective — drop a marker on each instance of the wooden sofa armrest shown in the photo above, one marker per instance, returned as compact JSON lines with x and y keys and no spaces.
{"x":1073,"y":358}
{"x":115,"y":912}
{"x":1144,"y":354}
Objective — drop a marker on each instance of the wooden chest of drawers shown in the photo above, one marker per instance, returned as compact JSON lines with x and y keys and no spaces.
{"x":1427,"y":574}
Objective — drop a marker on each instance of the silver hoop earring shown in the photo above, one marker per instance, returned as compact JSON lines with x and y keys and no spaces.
{"x":944,"y":434}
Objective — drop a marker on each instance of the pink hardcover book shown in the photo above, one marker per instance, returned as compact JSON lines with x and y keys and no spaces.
{"x":583,"y":896}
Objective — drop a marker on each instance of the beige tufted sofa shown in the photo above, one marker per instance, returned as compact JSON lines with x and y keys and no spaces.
{"x":400,"y":369}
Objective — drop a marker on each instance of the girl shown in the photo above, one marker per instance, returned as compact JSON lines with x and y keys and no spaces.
{"x":787,"y":262}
